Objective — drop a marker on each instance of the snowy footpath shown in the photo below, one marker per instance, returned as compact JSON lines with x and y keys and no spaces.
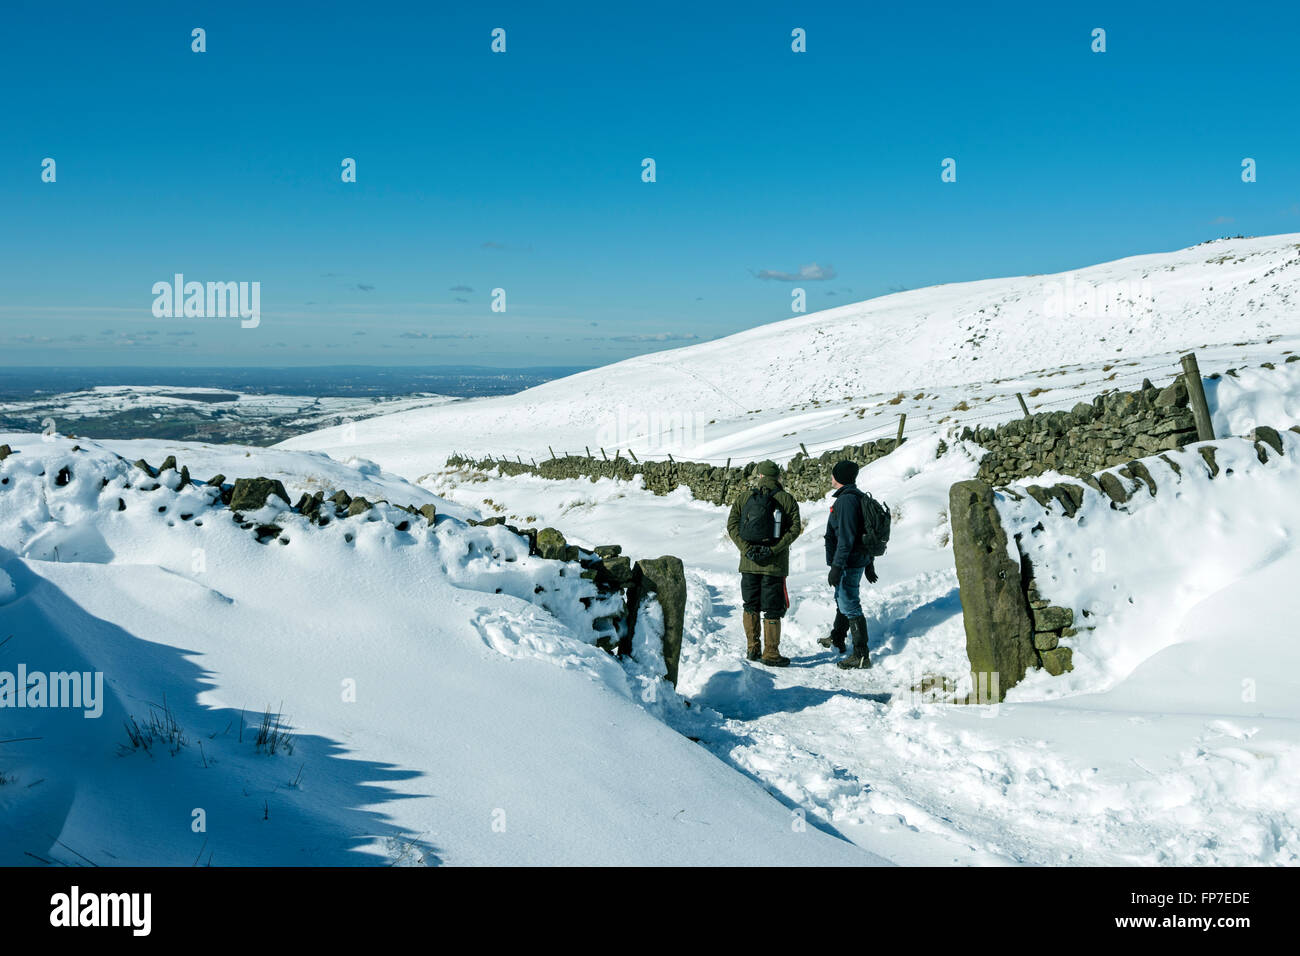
{"x":1175,"y":741}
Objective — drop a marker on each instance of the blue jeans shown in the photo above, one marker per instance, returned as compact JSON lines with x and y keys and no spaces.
{"x":846,"y":592}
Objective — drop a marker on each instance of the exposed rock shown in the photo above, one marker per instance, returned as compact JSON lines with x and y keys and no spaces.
{"x":1268,"y":436}
{"x":1058,"y":660}
{"x":1139,"y":471}
{"x":665,"y":577}
{"x":1052,"y":618}
{"x":169,"y":464}
{"x":429,"y":512}
{"x":615,"y":571}
{"x":249,"y":494}
{"x":1112,"y":487}
{"x":999,"y":634}
{"x":5,"y":452}
{"x":358,"y":506}
{"x":1045,"y":640}
{"x":551,"y":544}
{"x":1207,"y":453}
{"x":1174,"y":396}
{"x":217,"y":480}
{"x":1039,"y":494}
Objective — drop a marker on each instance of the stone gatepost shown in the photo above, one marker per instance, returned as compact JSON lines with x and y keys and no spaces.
{"x":999,"y":630}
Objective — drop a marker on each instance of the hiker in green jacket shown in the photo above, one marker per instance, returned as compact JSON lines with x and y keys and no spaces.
{"x":763,"y":523}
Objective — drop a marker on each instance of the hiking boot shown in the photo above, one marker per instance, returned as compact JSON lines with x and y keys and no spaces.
{"x":859,"y":656}
{"x":754,"y":644}
{"x":838,"y":631}
{"x":772,"y":643}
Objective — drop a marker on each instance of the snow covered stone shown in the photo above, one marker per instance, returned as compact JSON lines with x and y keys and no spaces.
{"x":665,"y":577}
{"x":251,"y":493}
{"x":999,"y":633}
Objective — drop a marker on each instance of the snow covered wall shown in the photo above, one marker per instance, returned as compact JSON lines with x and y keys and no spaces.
{"x":1127,"y":552}
{"x":434,"y":694}
{"x":758,"y":393}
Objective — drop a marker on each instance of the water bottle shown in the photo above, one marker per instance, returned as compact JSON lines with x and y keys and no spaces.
{"x":776,"y":523}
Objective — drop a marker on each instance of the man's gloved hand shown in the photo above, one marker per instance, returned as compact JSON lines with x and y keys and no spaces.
{"x":759,"y":554}
{"x":872,"y":577}
{"x":833,"y":578}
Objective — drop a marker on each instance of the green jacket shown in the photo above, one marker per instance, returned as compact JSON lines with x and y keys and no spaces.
{"x":780,"y":564}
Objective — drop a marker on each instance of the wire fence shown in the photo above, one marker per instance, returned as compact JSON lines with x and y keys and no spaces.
{"x":890,"y":428}
{"x":1128,"y":381}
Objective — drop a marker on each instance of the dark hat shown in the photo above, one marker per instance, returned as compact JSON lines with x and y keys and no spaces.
{"x":845,"y":472}
{"x":767,"y":468}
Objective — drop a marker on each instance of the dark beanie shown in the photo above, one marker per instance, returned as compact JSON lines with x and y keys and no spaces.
{"x":845,"y":472}
{"x":766,"y":468}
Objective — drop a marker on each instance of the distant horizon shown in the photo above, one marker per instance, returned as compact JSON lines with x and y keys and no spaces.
{"x":458,"y":366}
{"x":604,"y":182}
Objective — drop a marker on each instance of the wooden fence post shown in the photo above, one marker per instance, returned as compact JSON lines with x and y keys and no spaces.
{"x":1196,"y":397}
{"x":804,"y":450}
{"x":634,"y":457}
{"x":1023,"y":407}
{"x":902,"y":420}
{"x":552,"y":451}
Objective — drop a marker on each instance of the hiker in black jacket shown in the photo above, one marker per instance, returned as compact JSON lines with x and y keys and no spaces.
{"x":848,"y":560}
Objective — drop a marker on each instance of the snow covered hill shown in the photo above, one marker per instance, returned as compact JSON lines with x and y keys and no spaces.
{"x":195,"y":412}
{"x":487,"y":729}
{"x":1176,"y":740}
{"x":414,"y":738}
{"x":834,"y":377}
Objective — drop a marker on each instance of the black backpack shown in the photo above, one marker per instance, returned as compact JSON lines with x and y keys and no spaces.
{"x":758,"y":518}
{"x":875,"y":525}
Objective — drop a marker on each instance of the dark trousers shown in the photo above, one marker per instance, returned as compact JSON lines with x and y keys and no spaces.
{"x":764,"y":592}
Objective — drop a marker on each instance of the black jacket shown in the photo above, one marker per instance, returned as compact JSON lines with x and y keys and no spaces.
{"x":844,"y":530}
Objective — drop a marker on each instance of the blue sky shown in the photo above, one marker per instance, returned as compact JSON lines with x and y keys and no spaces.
{"x":522,"y":170}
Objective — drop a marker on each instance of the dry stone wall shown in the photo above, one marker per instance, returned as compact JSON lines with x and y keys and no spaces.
{"x":805,"y":477}
{"x":611,"y":573}
{"x":1113,"y":428}
{"x":1011,"y":623}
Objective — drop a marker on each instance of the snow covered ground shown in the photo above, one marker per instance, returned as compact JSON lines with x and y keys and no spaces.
{"x":197,"y":412}
{"x":944,"y":355}
{"x":485,"y":729}
{"x":1174,"y":741}
{"x":415,"y":739}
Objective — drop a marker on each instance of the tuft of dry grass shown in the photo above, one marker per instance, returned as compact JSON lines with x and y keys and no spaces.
{"x":273,"y":733}
{"x":160,"y":727}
